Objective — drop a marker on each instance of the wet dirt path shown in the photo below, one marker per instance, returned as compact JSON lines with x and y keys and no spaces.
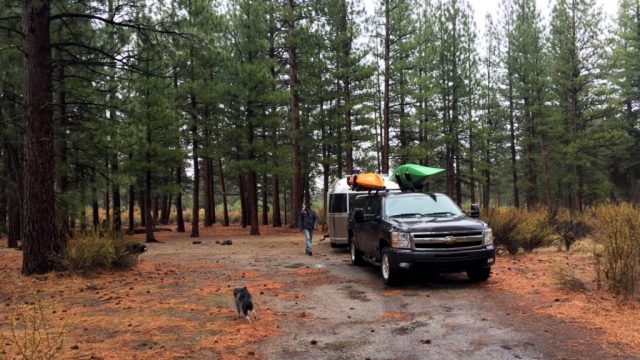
{"x":178,"y":304}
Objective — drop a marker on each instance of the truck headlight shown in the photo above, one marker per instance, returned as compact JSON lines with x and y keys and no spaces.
{"x":488,"y":237}
{"x":400,"y":240}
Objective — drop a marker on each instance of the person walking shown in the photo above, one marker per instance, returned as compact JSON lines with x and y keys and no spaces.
{"x":307,"y":223}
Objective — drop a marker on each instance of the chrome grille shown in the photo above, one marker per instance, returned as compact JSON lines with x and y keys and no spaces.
{"x":447,"y":240}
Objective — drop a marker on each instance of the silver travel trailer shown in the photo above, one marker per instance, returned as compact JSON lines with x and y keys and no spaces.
{"x":339,"y":201}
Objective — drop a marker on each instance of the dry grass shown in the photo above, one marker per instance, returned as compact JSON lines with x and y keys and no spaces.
{"x":617,"y":231}
{"x":532,"y":278}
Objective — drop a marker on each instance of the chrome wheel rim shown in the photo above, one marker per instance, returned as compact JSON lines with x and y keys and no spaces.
{"x":385,"y":266}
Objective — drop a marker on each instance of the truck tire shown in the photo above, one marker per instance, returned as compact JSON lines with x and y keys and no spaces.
{"x":479,"y":274}
{"x":389,"y":275}
{"x":355,"y":254}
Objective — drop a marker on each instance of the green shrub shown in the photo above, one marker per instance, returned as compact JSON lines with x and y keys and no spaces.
{"x":617,"y":236}
{"x":96,"y":250}
{"x":504,"y":223}
{"x":534,"y":230}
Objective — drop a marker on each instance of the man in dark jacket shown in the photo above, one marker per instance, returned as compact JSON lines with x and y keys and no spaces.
{"x":307,"y":223}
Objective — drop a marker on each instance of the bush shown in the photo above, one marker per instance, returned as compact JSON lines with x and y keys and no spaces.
{"x":617,"y":236}
{"x":504,"y":223}
{"x":534,"y":230}
{"x":566,"y":279}
{"x":570,"y":227}
{"x":30,"y":335}
{"x":96,"y":250}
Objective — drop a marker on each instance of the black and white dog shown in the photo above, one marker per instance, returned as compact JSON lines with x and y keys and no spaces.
{"x":244,"y":302}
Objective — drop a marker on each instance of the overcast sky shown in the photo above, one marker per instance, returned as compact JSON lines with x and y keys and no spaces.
{"x":482,"y":7}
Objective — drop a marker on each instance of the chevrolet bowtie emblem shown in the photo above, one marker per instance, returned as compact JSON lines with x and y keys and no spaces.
{"x":449,"y":240}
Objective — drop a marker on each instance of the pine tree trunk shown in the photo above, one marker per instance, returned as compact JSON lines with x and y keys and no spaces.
{"x":225,"y":212}
{"x":95,"y":213}
{"x":296,"y":179}
{"x":40,"y":237}
{"x":143,"y":207}
{"x":106,"y":200}
{"x":387,"y":74}
{"x":195,"y":217}
{"x":265,"y":204}
{"x":132,"y":209}
{"x":208,"y":210}
{"x":61,"y":134}
{"x":345,"y":49}
{"x":276,"y":219}
{"x":147,"y":206}
{"x":115,"y":193}
{"x":243,"y":201}
{"x":156,"y":209}
{"x":3,"y":193}
{"x":547,"y":191}
{"x":13,"y":220}
{"x":179,"y":215}
{"x":213,"y":193}
{"x":164,"y":209}
{"x":512,"y":131}
{"x":275,"y":188}
{"x":285,"y":206}
{"x":252,"y":203}
{"x":14,"y":195}
{"x":208,"y":174}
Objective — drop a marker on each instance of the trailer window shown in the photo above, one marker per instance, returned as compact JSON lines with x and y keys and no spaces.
{"x":338,"y":203}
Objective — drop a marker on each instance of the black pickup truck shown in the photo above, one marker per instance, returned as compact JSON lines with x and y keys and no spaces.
{"x":405,"y":232}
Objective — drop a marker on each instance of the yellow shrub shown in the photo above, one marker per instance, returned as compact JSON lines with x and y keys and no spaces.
{"x":504,"y":223}
{"x":534,"y":230}
{"x":96,"y":250}
{"x":617,"y":232}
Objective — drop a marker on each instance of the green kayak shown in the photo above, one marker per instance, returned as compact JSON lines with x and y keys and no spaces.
{"x":412,"y":176}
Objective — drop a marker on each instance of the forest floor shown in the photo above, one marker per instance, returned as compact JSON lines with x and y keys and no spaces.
{"x":177,"y":303}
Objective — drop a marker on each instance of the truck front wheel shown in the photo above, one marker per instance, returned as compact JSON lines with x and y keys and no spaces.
{"x":389,"y":275}
{"x":356,"y":255}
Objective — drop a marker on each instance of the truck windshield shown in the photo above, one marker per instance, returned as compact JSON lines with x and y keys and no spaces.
{"x":421,"y":206}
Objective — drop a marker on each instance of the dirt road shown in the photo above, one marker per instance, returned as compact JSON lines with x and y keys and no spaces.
{"x":349,"y":314}
{"x":177,"y":304}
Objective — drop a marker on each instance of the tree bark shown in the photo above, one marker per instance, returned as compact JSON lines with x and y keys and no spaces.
{"x":132,"y":208}
{"x":512,"y":131}
{"x":179,"y":215}
{"x":195,"y":231}
{"x":225,"y":212}
{"x":41,"y":241}
{"x":265,"y":197}
{"x":156,"y":208}
{"x":243,"y":200}
{"x":141,"y":204}
{"x":345,"y":54}
{"x":14,"y":194}
{"x":208,"y":174}
{"x":296,"y":179}
{"x":385,"y":111}
{"x":95,"y":214}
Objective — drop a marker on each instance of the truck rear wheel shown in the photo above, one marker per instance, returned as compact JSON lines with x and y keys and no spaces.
{"x":389,"y":275}
{"x":356,"y":255}
{"x":480,"y":274}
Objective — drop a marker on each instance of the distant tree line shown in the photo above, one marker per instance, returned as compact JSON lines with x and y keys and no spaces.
{"x":122,"y":105}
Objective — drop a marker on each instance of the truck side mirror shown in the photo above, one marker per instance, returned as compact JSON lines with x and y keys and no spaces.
{"x":475,"y":211}
{"x":358,"y":215}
